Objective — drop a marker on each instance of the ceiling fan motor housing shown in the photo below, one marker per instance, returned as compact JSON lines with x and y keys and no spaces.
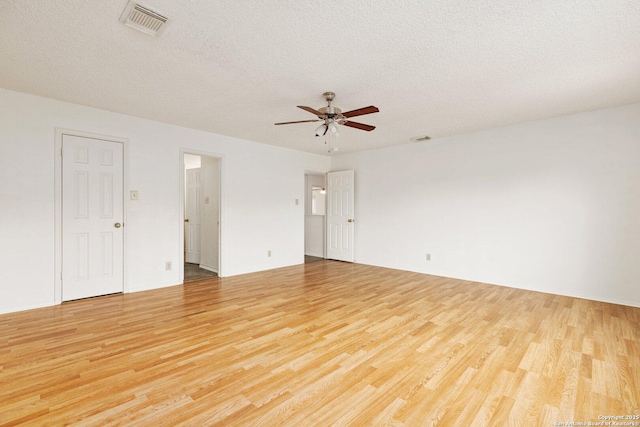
{"x":330,"y":112}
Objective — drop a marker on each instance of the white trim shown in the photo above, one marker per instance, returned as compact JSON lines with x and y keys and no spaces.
{"x":25,"y":308}
{"x":586,"y":297}
{"x":221,"y":216}
{"x":525,"y":288}
{"x":561,"y":294}
{"x":57,"y":180}
{"x":610,"y":301}
{"x":316,"y":172}
{"x":204,"y":267}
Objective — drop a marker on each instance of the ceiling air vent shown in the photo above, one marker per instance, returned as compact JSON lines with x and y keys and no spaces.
{"x":420,"y":138}
{"x":143,"y":19}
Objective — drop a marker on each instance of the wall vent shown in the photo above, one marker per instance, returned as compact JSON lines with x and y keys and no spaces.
{"x":143,"y":19}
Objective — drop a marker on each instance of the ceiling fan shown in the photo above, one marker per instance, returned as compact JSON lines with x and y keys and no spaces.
{"x":332,"y":115}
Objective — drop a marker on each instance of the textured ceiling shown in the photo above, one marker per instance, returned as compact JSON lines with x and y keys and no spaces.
{"x":433,"y":67}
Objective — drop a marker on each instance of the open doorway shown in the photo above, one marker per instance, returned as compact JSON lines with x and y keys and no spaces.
{"x":201,"y":243}
{"x":314,"y":218}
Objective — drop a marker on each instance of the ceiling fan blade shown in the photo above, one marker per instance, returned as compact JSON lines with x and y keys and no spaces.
{"x":311,"y":110}
{"x":361,"y":111}
{"x":357,"y":125}
{"x":299,"y":121}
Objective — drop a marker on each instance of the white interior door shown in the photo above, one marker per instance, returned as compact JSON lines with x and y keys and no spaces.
{"x":192,"y":215}
{"x":210,"y":214}
{"x":92,"y":215}
{"x":340,"y":216}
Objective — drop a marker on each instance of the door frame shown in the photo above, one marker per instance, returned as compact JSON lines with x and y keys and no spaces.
{"x":57,"y":155}
{"x":316,"y":172}
{"x":221,"y":214}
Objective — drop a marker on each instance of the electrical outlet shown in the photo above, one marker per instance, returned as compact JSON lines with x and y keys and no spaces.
{"x":134,"y":194}
{"x":297,"y":202}
{"x":167,"y":265}
{"x":428,"y":257}
{"x":269,"y":253}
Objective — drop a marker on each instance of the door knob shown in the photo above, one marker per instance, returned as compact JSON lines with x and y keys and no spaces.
{"x":117,"y":225}
{"x":186,"y":220}
{"x":350,"y":220}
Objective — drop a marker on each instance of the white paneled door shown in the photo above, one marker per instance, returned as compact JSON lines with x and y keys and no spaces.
{"x":340,"y":217}
{"x":192,"y":215}
{"x":92,"y":217}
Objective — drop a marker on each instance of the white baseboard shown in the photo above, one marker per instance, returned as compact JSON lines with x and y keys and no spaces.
{"x":206,"y":267}
{"x":25,"y":308}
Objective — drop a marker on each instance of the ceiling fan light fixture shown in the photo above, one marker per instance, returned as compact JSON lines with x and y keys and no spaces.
{"x":321,"y":130}
{"x":333,"y":128}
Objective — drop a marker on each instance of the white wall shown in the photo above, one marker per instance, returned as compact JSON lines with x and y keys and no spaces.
{"x":260,"y":184}
{"x":552,"y":205}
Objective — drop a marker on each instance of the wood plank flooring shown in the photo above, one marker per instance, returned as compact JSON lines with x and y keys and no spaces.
{"x":325,"y":343}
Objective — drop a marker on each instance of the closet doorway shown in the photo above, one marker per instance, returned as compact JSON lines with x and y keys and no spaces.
{"x":314,"y":216}
{"x":201,"y":243}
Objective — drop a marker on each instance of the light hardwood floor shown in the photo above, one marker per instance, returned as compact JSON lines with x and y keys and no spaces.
{"x":321,"y":344}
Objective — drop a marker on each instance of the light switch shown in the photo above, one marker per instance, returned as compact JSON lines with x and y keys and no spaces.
{"x":134,"y":194}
